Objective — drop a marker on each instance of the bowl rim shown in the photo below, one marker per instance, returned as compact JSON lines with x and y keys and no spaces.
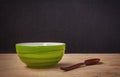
{"x":40,"y":43}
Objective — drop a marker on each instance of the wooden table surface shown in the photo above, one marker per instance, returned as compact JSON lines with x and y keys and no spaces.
{"x":11,"y":66}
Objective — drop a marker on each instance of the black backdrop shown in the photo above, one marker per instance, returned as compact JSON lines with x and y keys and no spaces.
{"x":84,"y":25}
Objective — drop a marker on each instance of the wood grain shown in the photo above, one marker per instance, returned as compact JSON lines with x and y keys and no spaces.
{"x":11,"y":66}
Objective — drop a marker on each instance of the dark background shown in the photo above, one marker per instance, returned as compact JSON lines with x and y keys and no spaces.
{"x":84,"y":25}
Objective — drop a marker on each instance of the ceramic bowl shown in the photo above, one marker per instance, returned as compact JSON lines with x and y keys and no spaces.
{"x":40,"y":54}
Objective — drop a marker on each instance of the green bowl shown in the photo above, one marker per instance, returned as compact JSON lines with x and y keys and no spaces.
{"x":40,"y":54}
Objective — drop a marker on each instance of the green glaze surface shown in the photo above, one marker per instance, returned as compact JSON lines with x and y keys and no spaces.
{"x":40,"y":56}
